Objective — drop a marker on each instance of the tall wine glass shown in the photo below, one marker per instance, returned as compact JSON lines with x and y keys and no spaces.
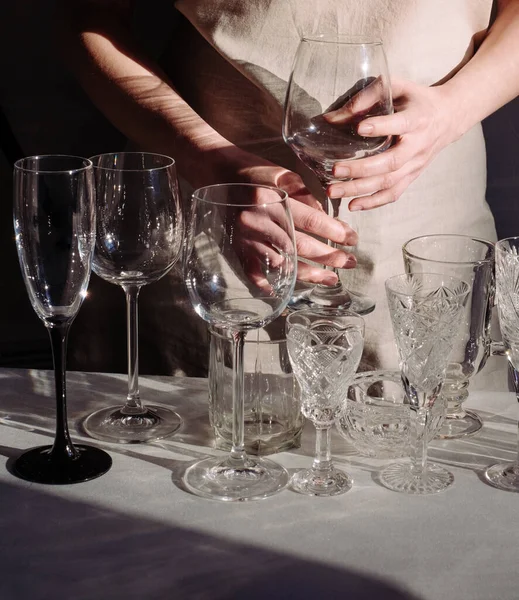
{"x":139,"y":239}
{"x":325,"y":347}
{"x":426,"y":311}
{"x":54,"y":222}
{"x":505,"y":476}
{"x":336,"y":82}
{"x":240,"y":271}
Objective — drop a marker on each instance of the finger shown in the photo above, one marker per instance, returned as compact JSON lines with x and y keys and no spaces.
{"x":321,"y":224}
{"x":311,"y":274}
{"x":393,"y":159}
{"x":369,"y":185}
{"x":296,"y":190}
{"x":396,"y":124}
{"x":381,"y":198}
{"x":319,"y":252}
{"x":359,"y":103}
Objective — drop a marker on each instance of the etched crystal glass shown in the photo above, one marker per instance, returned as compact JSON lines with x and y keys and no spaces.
{"x":471,"y":260}
{"x":325,"y":346}
{"x":426,"y":312}
{"x":506,"y":475}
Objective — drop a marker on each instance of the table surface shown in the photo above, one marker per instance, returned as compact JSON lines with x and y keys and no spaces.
{"x":134,"y":533}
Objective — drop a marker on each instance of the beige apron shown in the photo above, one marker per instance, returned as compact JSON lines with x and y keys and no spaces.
{"x":236,"y":78}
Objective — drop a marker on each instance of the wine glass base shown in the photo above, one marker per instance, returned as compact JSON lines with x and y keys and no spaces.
{"x":113,"y":425}
{"x":504,"y":476}
{"x":310,"y":483}
{"x":455,"y":427}
{"x":322,"y":296}
{"x":39,"y":466}
{"x":398,"y":477}
{"x":232,"y":480}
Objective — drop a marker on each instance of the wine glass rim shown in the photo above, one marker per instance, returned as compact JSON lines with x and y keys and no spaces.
{"x":479,"y":261}
{"x":283,"y":196}
{"x":334,"y":38}
{"x":500,"y":244}
{"x":19,"y":164}
{"x":399,"y":276}
{"x":170,"y":163}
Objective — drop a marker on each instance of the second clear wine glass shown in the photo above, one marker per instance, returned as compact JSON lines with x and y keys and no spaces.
{"x":240,"y":271}
{"x":336,"y":82}
{"x":139,"y":239}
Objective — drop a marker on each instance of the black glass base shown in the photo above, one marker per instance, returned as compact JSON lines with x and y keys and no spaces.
{"x":40,"y":466}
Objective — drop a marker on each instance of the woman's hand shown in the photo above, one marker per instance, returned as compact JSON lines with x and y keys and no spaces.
{"x":421,"y":126}
{"x":309,"y":218}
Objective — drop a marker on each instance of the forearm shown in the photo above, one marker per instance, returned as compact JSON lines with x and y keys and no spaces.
{"x":491,"y":78}
{"x":139,"y":100}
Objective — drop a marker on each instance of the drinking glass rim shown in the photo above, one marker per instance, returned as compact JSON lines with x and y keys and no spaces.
{"x":171,"y":160}
{"x":18,"y":165}
{"x":280,"y":200}
{"x":388,"y":281}
{"x":342,"y":38}
{"x":500,"y":243}
{"x":449,"y":262}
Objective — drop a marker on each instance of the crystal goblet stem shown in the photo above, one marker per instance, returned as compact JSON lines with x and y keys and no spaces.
{"x":133,"y":404}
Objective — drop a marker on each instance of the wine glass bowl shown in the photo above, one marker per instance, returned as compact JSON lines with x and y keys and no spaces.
{"x":425,"y":310}
{"x":139,"y":239}
{"x":240,"y":269}
{"x":54,"y":222}
{"x":336,"y":82}
{"x":325,"y":347}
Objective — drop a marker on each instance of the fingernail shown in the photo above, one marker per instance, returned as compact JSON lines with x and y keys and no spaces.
{"x":365,"y":128}
{"x":341,"y":172}
{"x":350,"y":263}
{"x":329,"y":280}
{"x":337,"y":192}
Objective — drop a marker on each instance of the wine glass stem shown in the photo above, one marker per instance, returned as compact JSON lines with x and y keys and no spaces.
{"x":133,"y":402}
{"x":323,"y":458}
{"x":63,"y":448}
{"x":238,"y":408}
{"x":418,"y":431}
{"x":332,"y":209}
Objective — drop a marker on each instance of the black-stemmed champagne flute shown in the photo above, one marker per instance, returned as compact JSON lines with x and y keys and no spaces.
{"x":336,"y":82}
{"x":139,"y":239}
{"x":54,"y":222}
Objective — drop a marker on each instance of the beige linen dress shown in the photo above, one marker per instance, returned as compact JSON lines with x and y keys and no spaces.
{"x":235,"y":74}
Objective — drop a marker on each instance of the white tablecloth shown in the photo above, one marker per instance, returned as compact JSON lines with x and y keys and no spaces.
{"x":134,"y":533}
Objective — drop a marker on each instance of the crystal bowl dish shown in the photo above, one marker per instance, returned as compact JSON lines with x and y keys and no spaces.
{"x":375,"y":417}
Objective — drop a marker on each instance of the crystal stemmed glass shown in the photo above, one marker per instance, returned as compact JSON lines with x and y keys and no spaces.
{"x":325,"y":346}
{"x":54,"y":222}
{"x":472,"y":260}
{"x":139,"y":239}
{"x":426,"y":311}
{"x":240,"y":270}
{"x":506,"y":475}
{"x":336,"y":82}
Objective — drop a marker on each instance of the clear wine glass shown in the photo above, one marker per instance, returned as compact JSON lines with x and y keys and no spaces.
{"x":54,"y":222}
{"x":426,"y":311}
{"x":325,"y":347}
{"x":505,"y":476}
{"x":336,"y":82}
{"x":240,"y":271}
{"x":139,"y":239}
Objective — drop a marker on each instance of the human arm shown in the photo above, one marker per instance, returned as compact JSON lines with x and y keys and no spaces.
{"x":427,"y":119}
{"x":140,"y":101}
